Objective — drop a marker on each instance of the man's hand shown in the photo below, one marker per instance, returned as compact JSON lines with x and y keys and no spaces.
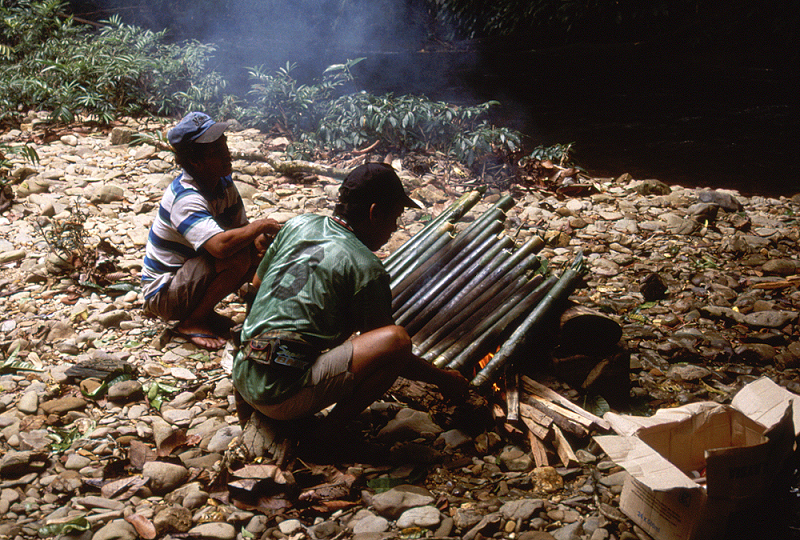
{"x":453,"y":386}
{"x":270,"y":228}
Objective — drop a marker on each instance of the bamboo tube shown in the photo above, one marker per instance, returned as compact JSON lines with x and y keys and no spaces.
{"x":468,"y":349}
{"x":434,"y":347}
{"x":474,"y":249}
{"x":469,"y":279}
{"x":462,"y":306}
{"x":452,"y":213}
{"x":451,"y":254}
{"x":424,"y":272}
{"x":442,"y":288}
{"x":420,"y":252}
{"x":559,"y":293}
{"x":445,"y":349}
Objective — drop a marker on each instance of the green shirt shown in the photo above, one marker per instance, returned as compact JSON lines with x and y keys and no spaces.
{"x":319,"y":281}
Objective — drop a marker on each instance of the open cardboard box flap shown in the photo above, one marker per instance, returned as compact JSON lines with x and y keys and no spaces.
{"x":733,"y":451}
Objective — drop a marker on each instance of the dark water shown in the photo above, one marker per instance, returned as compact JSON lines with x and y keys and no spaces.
{"x":717,"y":119}
{"x":712,"y":118}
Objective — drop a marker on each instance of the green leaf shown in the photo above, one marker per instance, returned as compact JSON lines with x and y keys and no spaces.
{"x":74,"y":525}
{"x":597,"y":405}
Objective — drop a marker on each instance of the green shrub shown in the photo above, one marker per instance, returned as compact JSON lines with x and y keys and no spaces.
{"x":52,"y":64}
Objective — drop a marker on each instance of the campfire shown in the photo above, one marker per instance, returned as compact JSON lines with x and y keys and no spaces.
{"x":474,"y":301}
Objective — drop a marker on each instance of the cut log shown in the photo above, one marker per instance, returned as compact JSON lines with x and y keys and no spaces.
{"x":586,"y":331}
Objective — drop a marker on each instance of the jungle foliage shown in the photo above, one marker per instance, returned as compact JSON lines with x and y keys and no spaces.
{"x":51,"y":63}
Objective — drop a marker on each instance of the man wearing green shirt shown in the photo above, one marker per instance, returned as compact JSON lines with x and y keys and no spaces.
{"x":320,"y":330}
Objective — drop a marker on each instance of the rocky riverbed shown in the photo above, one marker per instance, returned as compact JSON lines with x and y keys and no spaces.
{"x":109,"y":430}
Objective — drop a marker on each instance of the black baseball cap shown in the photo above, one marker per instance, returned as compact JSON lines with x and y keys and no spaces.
{"x":373,"y":182}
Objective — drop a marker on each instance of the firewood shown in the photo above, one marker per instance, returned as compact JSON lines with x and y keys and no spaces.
{"x":559,"y":416}
{"x":537,"y":389}
{"x":534,"y":428}
{"x":538,"y":451}
{"x":512,"y":395}
{"x":563,"y":448}
{"x":535,"y":415}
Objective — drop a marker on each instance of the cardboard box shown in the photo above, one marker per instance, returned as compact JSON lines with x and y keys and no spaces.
{"x":693,"y":469}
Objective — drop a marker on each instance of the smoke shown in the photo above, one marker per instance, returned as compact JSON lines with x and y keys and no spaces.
{"x":313,"y":34}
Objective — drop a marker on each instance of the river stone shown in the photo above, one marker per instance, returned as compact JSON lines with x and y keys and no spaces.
{"x":454,"y":438}
{"x":76,"y":462}
{"x":726,"y":201}
{"x":28,"y":403}
{"x":425,"y":517}
{"x":755,"y":353}
{"x":290,"y":526}
{"x":62,"y":405}
{"x":467,"y":516}
{"x":366,"y":522}
{"x":547,"y":480}
{"x":15,"y":463}
{"x":11,"y":256}
{"x":535,"y":535}
{"x":515,"y":459}
{"x":409,"y":424}
{"x":119,"y":529}
{"x":213,"y":531}
{"x":522,"y":509}
{"x":573,"y":531}
{"x":125,"y":390}
{"x":397,"y":500}
{"x":769,"y":319}
{"x":223,"y":437}
{"x":163,"y":476}
{"x":779,"y":267}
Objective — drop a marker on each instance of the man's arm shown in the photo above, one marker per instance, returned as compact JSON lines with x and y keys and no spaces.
{"x":225,"y":244}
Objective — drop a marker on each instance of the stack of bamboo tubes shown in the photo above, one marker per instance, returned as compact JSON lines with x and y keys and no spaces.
{"x":463,"y":296}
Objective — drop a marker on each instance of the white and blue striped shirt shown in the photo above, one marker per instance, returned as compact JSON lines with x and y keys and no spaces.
{"x":187,"y":218}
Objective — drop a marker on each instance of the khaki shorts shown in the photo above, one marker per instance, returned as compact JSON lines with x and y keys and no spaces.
{"x":331,"y":381}
{"x":180,"y":297}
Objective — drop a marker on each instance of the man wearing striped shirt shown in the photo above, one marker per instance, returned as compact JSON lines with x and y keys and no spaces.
{"x":201,"y":246}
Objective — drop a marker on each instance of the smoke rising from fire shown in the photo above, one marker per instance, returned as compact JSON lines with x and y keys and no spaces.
{"x":391,"y":34}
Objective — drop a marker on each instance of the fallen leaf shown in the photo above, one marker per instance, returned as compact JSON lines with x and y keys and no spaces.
{"x":144,"y":527}
{"x":124,"y":488}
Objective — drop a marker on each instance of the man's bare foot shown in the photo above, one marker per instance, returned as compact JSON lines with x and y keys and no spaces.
{"x":202,"y":337}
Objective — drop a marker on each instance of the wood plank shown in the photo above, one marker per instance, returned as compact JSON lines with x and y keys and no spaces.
{"x":536,"y":429}
{"x":563,"y":448}
{"x":558,"y":419}
{"x":555,"y":407}
{"x":532,"y":413}
{"x":512,"y":396}
{"x":538,"y":451}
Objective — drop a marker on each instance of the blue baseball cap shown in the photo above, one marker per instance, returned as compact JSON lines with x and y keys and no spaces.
{"x":196,"y":127}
